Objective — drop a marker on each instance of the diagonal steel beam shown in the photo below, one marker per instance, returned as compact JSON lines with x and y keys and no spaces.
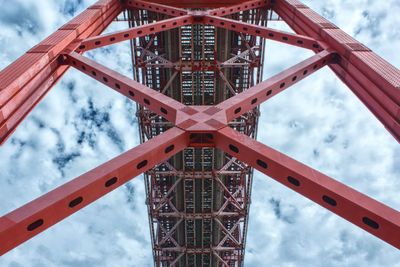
{"x":168,"y":234}
{"x":359,"y":209}
{"x":264,"y":32}
{"x":31,"y":219}
{"x":131,"y":33}
{"x":154,"y":57}
{"x":247,"y":5}
{"x":170,"y":81}
{"x":145,"y":96}
{"x":228,"y":233}
{"x":25,"y":82}
{"x":372,"y":79}
{"x":164,"y":199}
{"x":227,"y":83}
{"x":231,"y":198}
{"x":155,"y":7}
{"x":249,"y":99}
{"x":221,"y":260}
{"x":148,"y":45}
{"x":242,"y":55}
{"x":249,"y":48}
{"x":303,"y":19}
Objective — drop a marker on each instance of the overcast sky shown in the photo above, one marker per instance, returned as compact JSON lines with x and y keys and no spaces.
{"x":81,"y":124}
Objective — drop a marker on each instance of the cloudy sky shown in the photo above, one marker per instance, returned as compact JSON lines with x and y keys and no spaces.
{"x":81,"y":124}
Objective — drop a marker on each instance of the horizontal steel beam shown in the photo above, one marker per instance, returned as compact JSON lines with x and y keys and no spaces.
{"x":155,"y":7}
{"x":193,"y":216}
{"x":196,"y":3}
{"x":243,"y":6}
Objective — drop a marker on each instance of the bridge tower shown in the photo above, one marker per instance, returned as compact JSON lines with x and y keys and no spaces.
{"x":197,"y":81}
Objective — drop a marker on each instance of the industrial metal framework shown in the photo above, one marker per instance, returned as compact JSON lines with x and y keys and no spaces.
{"x":198,"y":85}
{"x":199,"y":198}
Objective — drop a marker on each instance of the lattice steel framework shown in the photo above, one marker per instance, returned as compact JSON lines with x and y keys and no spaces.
{"x":198,"y":111}
{"x":199,"y":198}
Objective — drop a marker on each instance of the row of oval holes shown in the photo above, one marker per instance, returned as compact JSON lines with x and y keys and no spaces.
{"x":238,"y":8}
{"x":156,"y":8}
{"x":269,"y":92}
{"x":371,"y":223}
{"x":73,"y":203}
{"x":127,"y":35}
{"x":271,"y":35}
{"x":173,"y":12}
{"x":118,"y":86}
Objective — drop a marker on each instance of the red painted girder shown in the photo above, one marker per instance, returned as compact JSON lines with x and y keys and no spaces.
{"x":224,"y":11}
{"x":361,"y":210}
{"x":380,"y":72}
{"x":145,"y":96}
{"x":196,"y":3}
{"x":264,"y":32}
{"x":370,"y":95}
{"x":26,"y":81}
{"x":373,"y":80}
{"x":16,"y":75}
{"x":158,"y":8}
{"x":379,"y":110}
{"x":254,"y":96}
{"x":131,"y":33}
{"x":14,"y":113}
{"x":31,"y":219}
{"x":26,"y":67}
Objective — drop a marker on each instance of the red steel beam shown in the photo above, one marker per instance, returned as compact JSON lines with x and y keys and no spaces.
{"x":27,"y":80}
{"x":264,"y":32}
{"x":196,"y":3}
{"x":31,"y":219}
{"x":359,"y":209}
{"x":145,"y":96}
{"x":373,"y":80}
{"x":247,"y":5}
{"x":124,"y":35}
{"x":158,"y":8}
{"x":254,"y":96}
{"x":382,"y":107}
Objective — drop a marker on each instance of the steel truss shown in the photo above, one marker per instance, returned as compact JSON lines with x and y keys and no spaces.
{"x":180,"y":126}
{"x":190,"y":201}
